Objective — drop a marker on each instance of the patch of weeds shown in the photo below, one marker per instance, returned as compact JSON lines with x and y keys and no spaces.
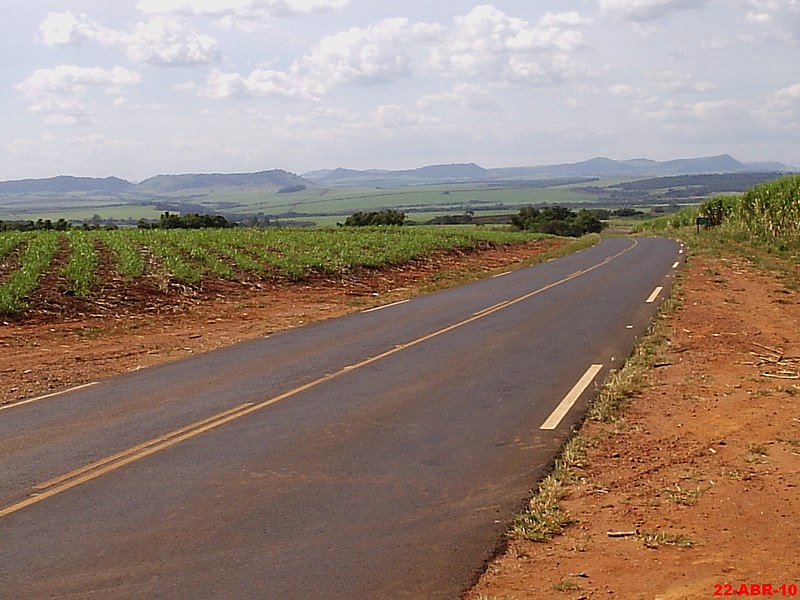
{"x":566,"y":585}
{"x":485,"y":597}
{"x":794,"y":443}
{"x":678,"y":495}
{"x":543,"y":517}
{"x":756,"y":453}
{"x":654,"y":539}
{"x":735,"y":474}
{"x":572,"y":457}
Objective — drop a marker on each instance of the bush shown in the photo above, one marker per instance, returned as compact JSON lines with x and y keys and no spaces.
{"x":557,"y":220}
{"x":190,"y":221}
{"x":384,"y":217}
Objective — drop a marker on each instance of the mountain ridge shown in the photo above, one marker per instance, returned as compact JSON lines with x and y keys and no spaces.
{"x":451,"y":173}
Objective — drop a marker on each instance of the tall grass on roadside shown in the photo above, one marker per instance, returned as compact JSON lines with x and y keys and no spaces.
{"x":34,"y":262}
{"x":770,"y":212}
{"x":766,"y":214}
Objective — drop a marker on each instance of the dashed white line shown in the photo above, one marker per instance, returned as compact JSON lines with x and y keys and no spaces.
{"x":60,"y":393}
{"x":385,"y":306}
{"x":654,"y":295}
{"x":571,"y":398}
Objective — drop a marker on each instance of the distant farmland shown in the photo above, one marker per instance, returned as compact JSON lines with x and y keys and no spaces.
{"x":288,"y":200}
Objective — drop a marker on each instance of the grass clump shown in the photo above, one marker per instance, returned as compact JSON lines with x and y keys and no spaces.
{"x":655,"y":539}
{"x":543,"y":517}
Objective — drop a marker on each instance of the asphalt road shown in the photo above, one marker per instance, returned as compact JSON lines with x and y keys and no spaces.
{"x":378,"y":455}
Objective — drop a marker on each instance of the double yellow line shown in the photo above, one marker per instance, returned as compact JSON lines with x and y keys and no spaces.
{"x":94,"y":470}
{"x":86,"y":473}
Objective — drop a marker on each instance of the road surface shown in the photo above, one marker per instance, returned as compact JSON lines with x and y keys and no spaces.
{"x":378,"y":455}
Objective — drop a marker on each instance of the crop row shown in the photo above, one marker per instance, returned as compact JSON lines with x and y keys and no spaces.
{"x":81,"y":260}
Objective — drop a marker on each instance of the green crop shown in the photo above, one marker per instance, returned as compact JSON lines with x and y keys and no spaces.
{"x":239,"y":254}
{"x":34,"y":262}
{"x":81,"y":269}
{"x":128,"y":259}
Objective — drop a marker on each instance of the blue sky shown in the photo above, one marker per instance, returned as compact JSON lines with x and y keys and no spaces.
{"x":135,"y":89}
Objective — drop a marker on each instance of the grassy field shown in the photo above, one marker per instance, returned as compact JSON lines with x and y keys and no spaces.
{"x":314,"y":204}
{"x":80,"y":262}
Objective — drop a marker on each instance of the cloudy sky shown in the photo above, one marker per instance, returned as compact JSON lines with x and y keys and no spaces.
{"x":142,"y":87}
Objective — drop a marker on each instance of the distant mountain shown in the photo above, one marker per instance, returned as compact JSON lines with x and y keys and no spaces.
{"x":202,"y":184}
{"x":165,"y":184}
{"x":595,"y":167}
{"x":642,"y":167}
{"x":432,"y":174}
{"x":64,"y":184}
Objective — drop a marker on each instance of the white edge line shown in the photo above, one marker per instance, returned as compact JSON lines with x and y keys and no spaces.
{"x":571,"y":398}
{"x":654,"y":295}
{"x":46,"y":396}
{"x":501,"y":274}
{"x":369,"y":310}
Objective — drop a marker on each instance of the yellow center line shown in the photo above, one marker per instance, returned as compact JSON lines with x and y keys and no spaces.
{"x":94,"y":470}
{"x":135,"y":449}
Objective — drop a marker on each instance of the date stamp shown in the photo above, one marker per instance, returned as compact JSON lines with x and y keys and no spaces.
{"x":752,"y":590}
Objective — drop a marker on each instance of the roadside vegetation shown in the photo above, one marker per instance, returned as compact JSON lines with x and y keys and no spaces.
{"x":767,"y":215}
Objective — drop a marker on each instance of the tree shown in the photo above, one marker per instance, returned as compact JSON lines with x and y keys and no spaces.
{"x":557,"y":220}
{"x":384,"y":217}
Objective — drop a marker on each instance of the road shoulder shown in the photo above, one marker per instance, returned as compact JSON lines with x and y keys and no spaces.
{"x":700,"y":480}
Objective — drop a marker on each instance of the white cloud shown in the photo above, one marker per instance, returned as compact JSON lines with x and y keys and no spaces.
{"x":161,"y":41}
{"x":394,"y":116}
{"x":240,"y":14}
{"x":384,"y":51}
{"x":486,"y":43}
{"x":780,"y":110}
{"x":625,"y":90}
{"x":706,"y":111}
{"x":675,"y":82}
{"x":647,"y":10}
{"x":261,"y":83}
{"x":788,"y":96}
{"x":64,"y":94}
{"x":469,"y":95}
{"x":782,"y":17}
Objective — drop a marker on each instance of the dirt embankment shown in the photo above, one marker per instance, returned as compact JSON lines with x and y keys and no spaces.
{"x":700,"y":482}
